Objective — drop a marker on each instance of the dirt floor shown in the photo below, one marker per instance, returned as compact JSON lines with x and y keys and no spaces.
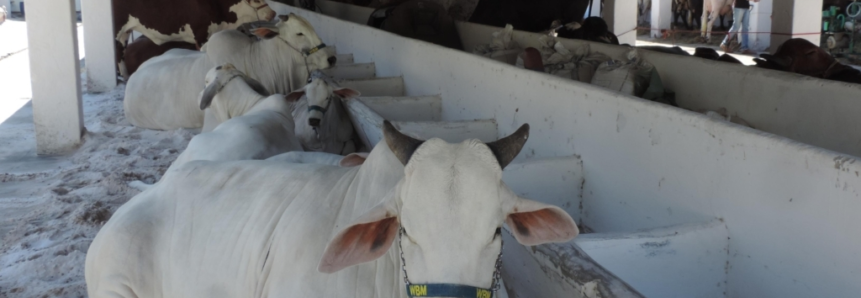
{"x":51,"y":207}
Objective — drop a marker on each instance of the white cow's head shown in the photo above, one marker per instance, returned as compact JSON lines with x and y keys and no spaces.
{"x":319,"y":95}
{"x":252,"y":10}
{"x":299,"y":35}
{"x":450,"y":205}
{"x":216,"y":79}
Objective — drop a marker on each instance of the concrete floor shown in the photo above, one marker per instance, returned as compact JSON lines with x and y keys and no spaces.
{"x":17,"y":141}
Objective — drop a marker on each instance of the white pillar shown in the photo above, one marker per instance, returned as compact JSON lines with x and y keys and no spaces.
{"x":55,"y":75}
{"x":596,"y":8}
{"x":99,"y":45}
{"x":662,"y":16}
{"x":796,"y":19}
{"x":621,"y":18}
{"x":760,"y":21}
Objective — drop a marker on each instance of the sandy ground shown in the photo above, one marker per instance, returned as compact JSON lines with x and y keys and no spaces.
{"x":52,"y":207}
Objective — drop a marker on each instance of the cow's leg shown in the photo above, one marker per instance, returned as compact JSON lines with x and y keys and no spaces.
{"x":714,"y":17}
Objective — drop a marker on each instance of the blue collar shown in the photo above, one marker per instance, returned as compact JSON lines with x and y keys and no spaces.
{"x":316,"y":108}
{"x":447,"y":290}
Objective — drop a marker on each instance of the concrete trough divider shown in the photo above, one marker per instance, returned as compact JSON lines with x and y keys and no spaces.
{"x":352,"y":13}
{"x":352,"y":71}
{"x":390,"y":86}
{"x":802,"y":108}
{"x":344,"y":59}
{"x":557,"y":181}
{"x":416,"y":108}
{"x":558,"y":270}
{"x":367,"y":122}
{"x":651,"y":166}
{"x":691,"y":257}
{"x":450,"y":131}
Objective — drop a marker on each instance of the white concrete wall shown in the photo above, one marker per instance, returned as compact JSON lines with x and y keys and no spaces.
{"x":99,"y":45}
{"x":790,"y":209}
{"x":776,"y":102}
{"x":55,"y":75}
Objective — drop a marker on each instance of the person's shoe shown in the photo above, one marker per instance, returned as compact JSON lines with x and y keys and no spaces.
{"x":748,"y":52}
{"x":724,"y":48}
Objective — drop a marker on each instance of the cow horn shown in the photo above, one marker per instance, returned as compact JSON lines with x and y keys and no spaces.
{"x":507,"y":148}
{"x":401,"y":145}
{"x":255,"y":85}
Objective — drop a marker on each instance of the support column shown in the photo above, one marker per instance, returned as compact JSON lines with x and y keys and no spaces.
{"x":760,"y":21}
{"x":99,"y":45}
{"x":621,"y":18}
{"x":796,"y":19}
{"x":662,"y":16}
{"x":54,"y":75}
{"x":596,"y":8}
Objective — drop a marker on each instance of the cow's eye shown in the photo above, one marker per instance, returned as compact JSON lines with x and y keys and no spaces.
{"x":498,"y":232}
{"x":300,"y":34}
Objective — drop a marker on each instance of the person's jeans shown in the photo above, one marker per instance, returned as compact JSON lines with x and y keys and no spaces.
{"x":740,"y":22}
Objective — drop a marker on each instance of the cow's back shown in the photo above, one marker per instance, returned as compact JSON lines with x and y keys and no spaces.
{"x":163,"y":93}
{"x":206,"y":229}
{"x":256,"y":136}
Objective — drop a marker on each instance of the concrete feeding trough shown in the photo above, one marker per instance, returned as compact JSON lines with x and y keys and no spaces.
{"x":675,"y":204}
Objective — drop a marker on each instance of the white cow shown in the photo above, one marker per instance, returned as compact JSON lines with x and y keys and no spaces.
{"x":263,"y":126}
{"x":322,"y":121}
{"x":263,"y":229}
{"x":162,"y":93}
{"x":350,"y":160}
{"x":712,"y":9}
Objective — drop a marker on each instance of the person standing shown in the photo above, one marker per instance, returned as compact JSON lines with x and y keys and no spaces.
{"x":740,"y":22}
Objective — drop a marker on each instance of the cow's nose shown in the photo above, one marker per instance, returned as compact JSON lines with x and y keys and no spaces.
{"x":332,"y":60}
{"x":314,"y":122}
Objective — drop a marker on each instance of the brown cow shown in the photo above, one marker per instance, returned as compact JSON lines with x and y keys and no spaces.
{"x":532,"y":59}
{"x":803,"y":57}
{"x":190,"y":21}
{"x":143,"y":48}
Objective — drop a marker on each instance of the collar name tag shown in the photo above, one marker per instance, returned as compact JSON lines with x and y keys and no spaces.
{"x":447,"y":290}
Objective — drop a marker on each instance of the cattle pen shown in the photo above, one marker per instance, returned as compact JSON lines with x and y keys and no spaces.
{"x":669,"y":202}
{"x":680,"y":205}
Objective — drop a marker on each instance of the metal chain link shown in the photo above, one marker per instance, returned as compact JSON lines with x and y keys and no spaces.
{"x":497,"y":272}
{"x":403,"y":260}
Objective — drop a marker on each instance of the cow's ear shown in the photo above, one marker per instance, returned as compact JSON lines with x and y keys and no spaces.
{"x":367,"y":239}
{"x":208,"y":94}
{"x":353,"y":159}
{"x":346,"y":93}
{"x":295,"y":95}
{"x":534,"y":223}
{"x":265,"y":33}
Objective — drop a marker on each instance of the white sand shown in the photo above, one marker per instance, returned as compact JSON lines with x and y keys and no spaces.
{"x":52,"y":207}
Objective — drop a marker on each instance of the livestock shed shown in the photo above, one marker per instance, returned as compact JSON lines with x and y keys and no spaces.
{"x":681,"y":205}
{"x":672,"y":203}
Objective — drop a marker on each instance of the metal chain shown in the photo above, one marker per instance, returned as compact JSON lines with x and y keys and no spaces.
{"x":497,"y":272}
{"x":403,"y":260}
